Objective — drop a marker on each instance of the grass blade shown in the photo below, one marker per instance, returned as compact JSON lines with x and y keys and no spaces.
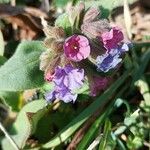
{"x":107,"y":131}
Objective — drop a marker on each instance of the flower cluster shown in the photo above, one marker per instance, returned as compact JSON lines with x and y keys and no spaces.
{"x":66,"y":80}
{"x":114,"y":49}
{"x":67,"y":61}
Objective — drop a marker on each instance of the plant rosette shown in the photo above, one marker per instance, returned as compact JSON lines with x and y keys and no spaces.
{"x":82,"y":50}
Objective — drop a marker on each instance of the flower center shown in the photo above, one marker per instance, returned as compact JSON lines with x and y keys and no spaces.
{"x":74,"y":47}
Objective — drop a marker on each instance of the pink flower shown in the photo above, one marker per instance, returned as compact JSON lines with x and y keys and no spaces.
{"x":77,"y":48}
{"x":111,"y":38}
{"x":98,"y":84}
{"x":49,"y":77}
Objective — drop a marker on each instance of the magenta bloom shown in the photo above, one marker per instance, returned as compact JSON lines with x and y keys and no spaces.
{"x":112,"y":38}
{"x":77,"y":48}
{"x":98,"y":84}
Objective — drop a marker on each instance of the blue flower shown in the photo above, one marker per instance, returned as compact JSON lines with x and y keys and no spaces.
{"x":63,"y":94}
{"x":110,"y":59}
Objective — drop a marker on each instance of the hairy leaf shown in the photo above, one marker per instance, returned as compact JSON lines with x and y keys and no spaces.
{"x":21,"y":71}
{"x":13,"y":100}
{"x":25,"y":123}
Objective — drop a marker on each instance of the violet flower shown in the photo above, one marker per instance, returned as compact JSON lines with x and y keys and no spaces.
{"x":63,"y":94}
{"x":77,"y":48}
{"x":69,"y":77}
{"x":66,"y":80}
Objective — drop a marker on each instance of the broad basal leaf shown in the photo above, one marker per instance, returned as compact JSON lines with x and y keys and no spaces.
{"x":26,"y":123}
{"x":13,"y":100}
{"x":21,"y":71}
{"x":2,"y":60}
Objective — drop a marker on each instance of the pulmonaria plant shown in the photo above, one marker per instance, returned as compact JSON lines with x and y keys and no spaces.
{"x":72,"y":56}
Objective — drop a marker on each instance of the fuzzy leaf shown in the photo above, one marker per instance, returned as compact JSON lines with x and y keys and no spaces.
{"x":144,"y":90}
{"x":13,"y":100}
{"x":21,"y":71}
{"x":2,"y":60}
{"x":63,"y":21}
{"x":25,"y":123}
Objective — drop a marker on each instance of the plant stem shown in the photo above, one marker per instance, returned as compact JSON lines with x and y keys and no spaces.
{"x":8,"y":137}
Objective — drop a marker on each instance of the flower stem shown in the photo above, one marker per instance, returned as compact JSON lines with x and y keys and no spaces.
{"x":8,"y":137}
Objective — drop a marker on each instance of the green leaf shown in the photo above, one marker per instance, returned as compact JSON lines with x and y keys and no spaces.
{"x":106,"y":135}
{"x":79,"y":120}
{"x":139,"y":45}
{"x":13,"y":100}
{"x":141,"y":68}
{"x":95,"y":126}
{"x":2,"y":60}
{"x":120,"y":130}
{"x":128,"y":121}
{"x":25,"y":124}
{"x":128,"y":62}
{"x":1,"y":44}
{"x":120,"y":144}
{"x":93,"y":129}
{"x":21,"y":71}
{"x":134,"y":143}
{"x":63,"y":21}
{"x":144,"y":90}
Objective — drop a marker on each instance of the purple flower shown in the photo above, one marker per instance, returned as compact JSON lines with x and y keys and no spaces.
{"x":63,"y":94}
{"x":110,"y":59}
{"x":66,"y":80}
{"x":112,"y":38}
{"x":69,"y":77}
{"x":77,"y":48}
{"x":123,"y":48}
